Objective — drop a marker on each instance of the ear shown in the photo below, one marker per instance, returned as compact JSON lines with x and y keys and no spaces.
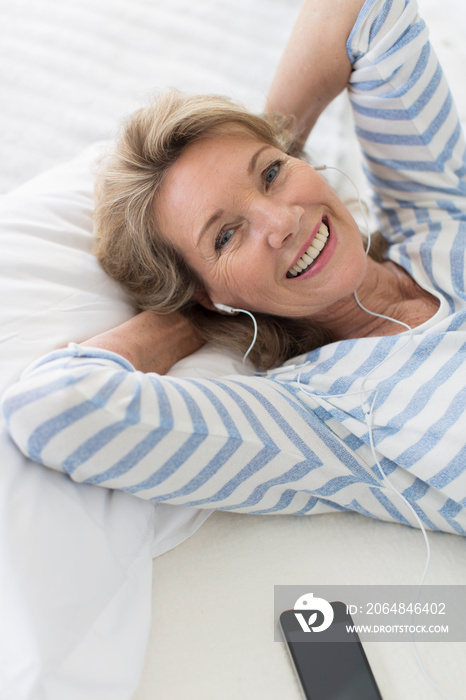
{"x":204,"y":299}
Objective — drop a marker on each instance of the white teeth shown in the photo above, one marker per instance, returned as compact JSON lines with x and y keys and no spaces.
{"x":311,"y":253}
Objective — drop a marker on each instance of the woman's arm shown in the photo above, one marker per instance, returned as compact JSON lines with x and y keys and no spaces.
{"x":314,"y":67}
{"x":239,"y":443}
{"x":151,"y":342}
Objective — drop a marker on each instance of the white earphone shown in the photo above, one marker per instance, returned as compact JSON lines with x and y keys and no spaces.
{"x":227,"y":309}
{"x":232,"y":310}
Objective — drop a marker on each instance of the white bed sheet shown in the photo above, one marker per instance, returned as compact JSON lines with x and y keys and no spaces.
{"x":68,"y":70}
{"x":212,"y":634}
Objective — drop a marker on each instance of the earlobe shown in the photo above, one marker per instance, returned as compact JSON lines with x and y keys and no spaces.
{"x":204,"y":300}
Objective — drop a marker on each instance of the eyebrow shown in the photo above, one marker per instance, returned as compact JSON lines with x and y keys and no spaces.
{"x":219,"y":213}
{"x":215,"y":217}
{"x":252,"y":164}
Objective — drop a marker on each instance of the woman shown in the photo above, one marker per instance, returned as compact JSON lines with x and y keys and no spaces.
{"x":233,"y":219}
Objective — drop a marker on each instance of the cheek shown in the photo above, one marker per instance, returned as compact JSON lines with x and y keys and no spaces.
{"x":227,"y":276}
{"x":217,"y":272}
{"x":354,"y":267}
{"x":309,"y":182}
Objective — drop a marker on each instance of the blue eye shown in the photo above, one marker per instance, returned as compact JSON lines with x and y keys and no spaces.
{"x":223,"y":238}
{"x":272,"y":172}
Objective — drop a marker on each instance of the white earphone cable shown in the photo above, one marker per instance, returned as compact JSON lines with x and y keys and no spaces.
{"x":233,"y":310}
{"x":243,"y":311}
{"x":369,"y":414}
{"x":369,"y":417}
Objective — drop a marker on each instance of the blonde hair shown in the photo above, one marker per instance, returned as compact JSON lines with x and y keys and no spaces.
{"x":132,"y":249}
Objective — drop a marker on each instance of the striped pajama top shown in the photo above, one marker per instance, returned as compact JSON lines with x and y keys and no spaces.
{"x":298,"y":441}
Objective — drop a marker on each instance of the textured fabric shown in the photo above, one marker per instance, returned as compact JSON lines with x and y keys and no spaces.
{"x":298,"y":441}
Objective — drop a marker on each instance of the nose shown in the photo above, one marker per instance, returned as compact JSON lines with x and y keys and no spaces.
{"x":278,"y":221}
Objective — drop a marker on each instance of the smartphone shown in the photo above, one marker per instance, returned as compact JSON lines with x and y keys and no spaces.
{"x":331,"y":664}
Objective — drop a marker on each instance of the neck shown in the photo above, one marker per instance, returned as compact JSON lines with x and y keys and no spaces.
{"x":387,"y":290}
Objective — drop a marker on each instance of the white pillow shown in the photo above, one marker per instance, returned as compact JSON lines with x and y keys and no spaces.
{"x":75,"y":559}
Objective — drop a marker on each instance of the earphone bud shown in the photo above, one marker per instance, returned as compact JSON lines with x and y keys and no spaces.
{"x":227,"y":309}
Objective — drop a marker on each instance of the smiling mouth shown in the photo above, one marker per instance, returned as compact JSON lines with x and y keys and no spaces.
{"x":311,"y":254}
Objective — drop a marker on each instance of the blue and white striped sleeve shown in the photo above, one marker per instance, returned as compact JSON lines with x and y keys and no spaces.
{"x":239,"y":443}
{"x":406,"y":121}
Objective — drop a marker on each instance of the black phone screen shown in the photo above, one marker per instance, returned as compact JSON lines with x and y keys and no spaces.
{"x":331,"y":665}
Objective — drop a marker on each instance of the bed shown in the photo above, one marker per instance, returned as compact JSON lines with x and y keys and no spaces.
{"x":103,"y":596}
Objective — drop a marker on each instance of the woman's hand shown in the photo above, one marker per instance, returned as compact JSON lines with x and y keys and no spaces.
{"x":314,"y":67}
{"x":151,"y":342}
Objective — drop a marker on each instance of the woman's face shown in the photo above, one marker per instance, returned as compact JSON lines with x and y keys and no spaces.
{"x":243,"y":214}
